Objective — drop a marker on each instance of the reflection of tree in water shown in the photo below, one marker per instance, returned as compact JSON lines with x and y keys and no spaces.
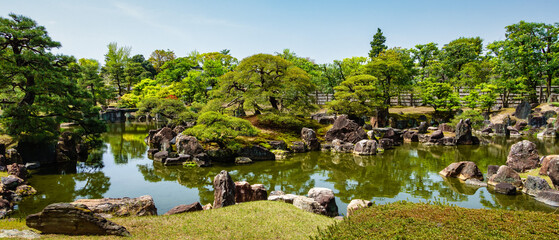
{"x":289,"y":176}
{"x":96,"y":183}
{"x":88,"y":182}
{"x":127,"y":141}
{"x":410,"y":168}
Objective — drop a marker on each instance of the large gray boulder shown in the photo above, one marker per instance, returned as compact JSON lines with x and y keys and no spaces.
{"x":553,"y":172}
{"x":121,"y":207}
{"x":309,"y":138}
{"x":545,"y":163}
{"x":523,"y":156}
{"x":10,"y":182}
{"x":326,"y":198}
{"x":161,"y":156}
{"x":505,"y":188}
{"x":365,"y":147}
{"x":422,"y":127}
{"x":436,"y":135}
{"x":464,"y":133}
{"x":341,"y":146}
{"x":12,"y":156}
{"x":162,"y":138}
{"x":257,"y":153}
{"x":410,"y":136}
{"x":505,"y":174}
{"x":492,"y":170}
{"x":346,"y":130}
{"x":549,"y":197}
{"x":309,"y":205}
{"x":286,"y":198}
{"x":202,"y":160}
{"x":523,"y":110}
{"x":188,"y":145}
{"x":535,"y":185}
{"x":244,"y":192}
{"x":224,"y":190}
{"x":463,"y":170}
{"x":298,"y":147}
{"x":73,"y":219}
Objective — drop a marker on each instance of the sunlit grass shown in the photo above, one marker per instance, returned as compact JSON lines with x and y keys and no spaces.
{"x":252,"y":220}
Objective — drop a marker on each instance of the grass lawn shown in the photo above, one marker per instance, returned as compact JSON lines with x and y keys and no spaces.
{"x":404,"y":220}
{"x":276,"y":220}
{"x":252,"y":220}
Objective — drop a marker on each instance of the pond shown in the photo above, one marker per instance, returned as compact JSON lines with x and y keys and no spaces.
{"x":408,"y":172}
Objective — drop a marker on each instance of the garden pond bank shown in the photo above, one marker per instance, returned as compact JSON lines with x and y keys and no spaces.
{"x":408,"y":172}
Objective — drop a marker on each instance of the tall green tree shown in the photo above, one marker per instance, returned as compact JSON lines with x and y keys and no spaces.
{"x":358,"y":96}
{"x":393,"y":69}
{"x":505,"y":73}
{"x":159,"y":57}
{"x":266,"y":80}
{"x":115,"y":62}
{"x":177,"y":69}
{"x":456,"y":54}
{"x":133,"y":73}
{"x":425,"y":55}
{"x":440,"y":96}
{"x":534,"y":49}
{"x":149,"y":70}
{"x":91,"y":80}
{"x":377,"y":45}
{"x":38,"y":89}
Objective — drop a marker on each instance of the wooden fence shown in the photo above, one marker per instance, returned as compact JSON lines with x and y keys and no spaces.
{"x":409,"y":99}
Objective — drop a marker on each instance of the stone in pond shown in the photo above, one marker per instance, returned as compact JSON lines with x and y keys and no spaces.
{"x":224,"y":190}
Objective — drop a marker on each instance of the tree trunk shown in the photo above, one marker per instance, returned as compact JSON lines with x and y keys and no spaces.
{"x":533,"y":94}
{"x":29,"y":97}
{"x":274,"y":103}
{"x":548,"y":85}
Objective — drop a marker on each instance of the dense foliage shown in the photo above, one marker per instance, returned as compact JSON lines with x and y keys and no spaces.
{"x":264,"y":80}
{"x":219,"y":128}
{"x":285,"y":122}
{"x":38,"y":89}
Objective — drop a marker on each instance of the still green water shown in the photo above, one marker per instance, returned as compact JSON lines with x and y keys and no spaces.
{"x":409,"y":172}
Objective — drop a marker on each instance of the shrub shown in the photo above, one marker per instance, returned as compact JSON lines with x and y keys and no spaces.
{"x":219,"y":128}
{"x":172,"y":109}
{"x":474,"y":115}
{"x":286,"y":122}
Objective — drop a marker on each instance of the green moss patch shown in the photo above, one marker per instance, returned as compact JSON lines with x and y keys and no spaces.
{"x":404,"y":220}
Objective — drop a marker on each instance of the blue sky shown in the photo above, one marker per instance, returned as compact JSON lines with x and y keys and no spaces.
{"x":321,"y":30}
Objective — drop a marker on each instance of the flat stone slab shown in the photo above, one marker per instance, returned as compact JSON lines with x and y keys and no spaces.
{"x":14,"y":233}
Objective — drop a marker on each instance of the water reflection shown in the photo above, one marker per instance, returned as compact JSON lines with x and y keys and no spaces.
{"x":409,"y":172}
{"x":89,"y":181}
{"x":126,"y":140}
